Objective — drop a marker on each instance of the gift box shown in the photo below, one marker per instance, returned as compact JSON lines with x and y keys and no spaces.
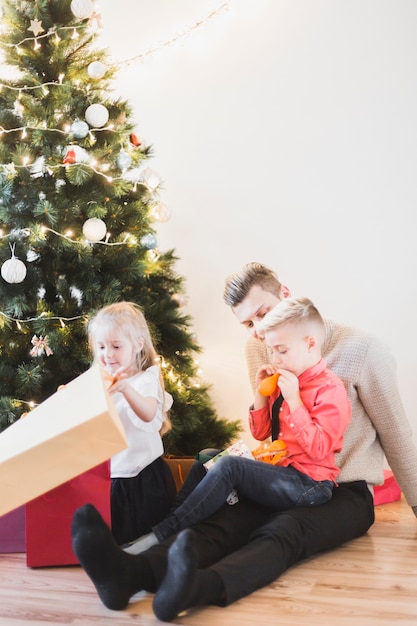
{"x":179,"y":466}
{"x":71,"y":432}
{"x":12,"y":531}
{"x":49,"y":517}
{"x":389,"y":491}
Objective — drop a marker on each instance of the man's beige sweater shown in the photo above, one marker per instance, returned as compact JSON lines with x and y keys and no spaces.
{"x":379,"y":425}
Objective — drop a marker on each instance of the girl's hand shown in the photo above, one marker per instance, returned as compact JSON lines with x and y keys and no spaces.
{"x":119,"y":381}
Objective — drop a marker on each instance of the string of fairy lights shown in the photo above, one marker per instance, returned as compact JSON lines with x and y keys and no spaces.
{"x":84,"y":9}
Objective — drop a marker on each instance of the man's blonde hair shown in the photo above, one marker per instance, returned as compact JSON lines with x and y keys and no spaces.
{"x":238,"y":285}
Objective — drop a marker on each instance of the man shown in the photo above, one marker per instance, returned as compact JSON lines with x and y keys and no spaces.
{"x":244,"y":547}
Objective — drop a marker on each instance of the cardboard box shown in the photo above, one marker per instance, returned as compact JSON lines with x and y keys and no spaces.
{"x":72,"y":431}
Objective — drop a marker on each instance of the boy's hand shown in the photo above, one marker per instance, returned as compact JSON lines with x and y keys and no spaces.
{"x":290,"y":389}
{"x":264,"y":372}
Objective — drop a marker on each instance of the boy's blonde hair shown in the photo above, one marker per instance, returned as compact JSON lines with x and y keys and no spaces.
{"x":295,"y":311}
{"x":128,"y":318}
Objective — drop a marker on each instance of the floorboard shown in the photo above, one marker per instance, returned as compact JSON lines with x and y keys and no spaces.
{"x":370,"y":581}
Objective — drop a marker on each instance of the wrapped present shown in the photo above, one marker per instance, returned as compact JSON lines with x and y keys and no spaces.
{"x":179,"y":466}
{"x":273,"y":452}
{"x":389,"y":491}
{"x":71,"y":432}
{"x":12,"y":531}
{"x":235,"y":449}
{"x":49,"y":517}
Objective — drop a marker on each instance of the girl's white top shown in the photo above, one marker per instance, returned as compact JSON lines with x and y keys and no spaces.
{"x":145,"y":443}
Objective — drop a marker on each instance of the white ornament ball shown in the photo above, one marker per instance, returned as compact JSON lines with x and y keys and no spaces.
{"x":161,"y":212}
{"x":149,"y":241}
{"x":32,"y":256}
{"x":79,"y":129}
{"x":150,"y":178}
{"x":123,"y":161}
{"x":94,"y":229}
{"x":82,"y":8}
{"x":13,"y":270}
{"x":97,"y":115}
{"x":96,"y":69}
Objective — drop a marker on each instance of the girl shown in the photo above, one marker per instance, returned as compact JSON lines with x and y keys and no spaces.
{"x":142,"y":486}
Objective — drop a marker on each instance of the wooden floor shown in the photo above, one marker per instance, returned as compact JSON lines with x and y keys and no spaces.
{"x":371,"y":581}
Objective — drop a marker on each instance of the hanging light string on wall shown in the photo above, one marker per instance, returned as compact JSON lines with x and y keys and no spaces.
{"x":94,"y":23}
{"x":176,"y":38}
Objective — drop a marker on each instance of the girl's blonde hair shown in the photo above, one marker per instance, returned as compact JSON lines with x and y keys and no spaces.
{"x":129,"y":319}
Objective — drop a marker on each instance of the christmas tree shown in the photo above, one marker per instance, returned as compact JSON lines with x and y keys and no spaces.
{"x":78,"y":204}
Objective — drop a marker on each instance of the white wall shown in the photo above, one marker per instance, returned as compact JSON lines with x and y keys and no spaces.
{"x":285,"y":131}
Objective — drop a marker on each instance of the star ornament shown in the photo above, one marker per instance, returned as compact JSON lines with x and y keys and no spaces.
{"x":36,"y":27}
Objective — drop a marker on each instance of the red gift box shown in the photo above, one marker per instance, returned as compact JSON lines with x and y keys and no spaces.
{"x":49,"y":517}
{"x":12,"y":531}
{"x":389,"y":491}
